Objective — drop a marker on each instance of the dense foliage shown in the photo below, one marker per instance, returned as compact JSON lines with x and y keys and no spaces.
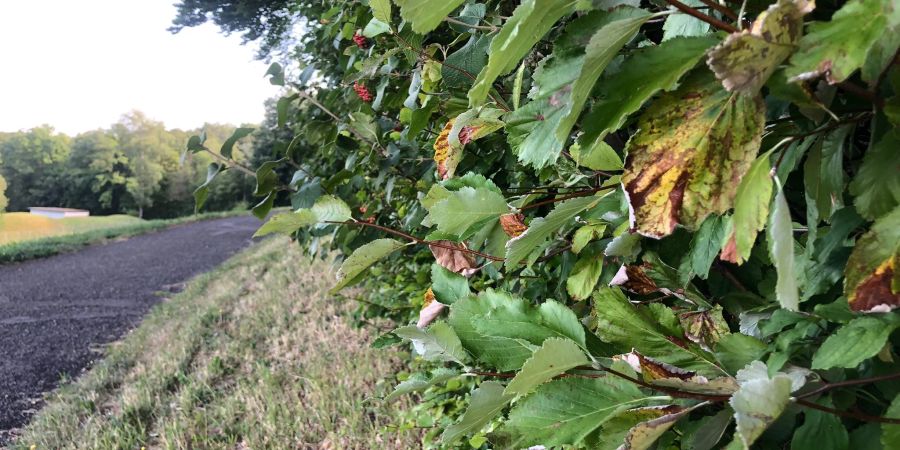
{"x":132,"y":167}
{"x":621,"y":224}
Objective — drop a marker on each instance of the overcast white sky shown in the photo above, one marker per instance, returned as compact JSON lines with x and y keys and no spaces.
{"x":79,"y":65}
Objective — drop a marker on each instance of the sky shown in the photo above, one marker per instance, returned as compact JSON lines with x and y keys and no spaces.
{"x":80,"y":65}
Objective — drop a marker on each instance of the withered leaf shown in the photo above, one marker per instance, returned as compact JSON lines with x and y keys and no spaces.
{"x":456,"y":261}
{"x":704,"y":327}
{"x":746,"y":59}
{"x":459,"y":131}
{"x":686,"y":161}
{"x":431,"y":308}
{"x":513,"y":224}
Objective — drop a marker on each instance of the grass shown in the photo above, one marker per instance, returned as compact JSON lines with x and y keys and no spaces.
{"x":253,"y":355}
{"x":19,"y":232}
{"x":23,"y":226}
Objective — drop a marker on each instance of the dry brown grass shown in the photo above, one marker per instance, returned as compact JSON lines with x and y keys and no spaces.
{"x":256,"y":355}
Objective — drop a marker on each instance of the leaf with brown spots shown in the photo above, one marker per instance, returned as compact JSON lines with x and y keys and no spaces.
{"x":746,"y":59}
{"x":693,"y":148}
{"x":871,"y":279}
{"x":704,"y":327}
{"x":459,"y":131}
{"x":431,"y":308}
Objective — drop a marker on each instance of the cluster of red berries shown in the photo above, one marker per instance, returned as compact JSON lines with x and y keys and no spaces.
{"x":360,"y":40}
{"x":362,"y":91}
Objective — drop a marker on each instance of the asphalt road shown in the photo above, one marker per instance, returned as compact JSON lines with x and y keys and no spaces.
{"x":55,"y":313}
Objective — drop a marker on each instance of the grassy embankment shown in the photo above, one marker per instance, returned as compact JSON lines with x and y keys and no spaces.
{"x":25,"y":236}
{"x":255,"y":354}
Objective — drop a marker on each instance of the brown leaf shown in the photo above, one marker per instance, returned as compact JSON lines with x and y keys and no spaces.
{"x":729,"y":251}
{"x":456,"y":261}
{"x":704,"y":327}
{"x":442,"y":150}
{"x":513,"y":224}
{"x":633,"y":278}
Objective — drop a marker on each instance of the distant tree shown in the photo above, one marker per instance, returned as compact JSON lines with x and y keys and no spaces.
{"x":34,"y":163}
{"x":150,"y":151}
{"x":3,"y":200}
{"x":268,"y":21}
{"x":97,"y":173}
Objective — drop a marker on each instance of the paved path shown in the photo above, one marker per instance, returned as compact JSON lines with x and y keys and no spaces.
{"x":56,"y":312}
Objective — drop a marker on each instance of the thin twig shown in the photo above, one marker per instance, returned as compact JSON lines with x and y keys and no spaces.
{"x":721,"y":8}
{"x":412,"y":238}
{"x":583,"y":193}
{"x":838,"y":384}
{"x":853,"y":415}
{"x":862,"y":93}
{"x":699,"y":15}
{"x":231,"y":163}
{"x":490,"y":28}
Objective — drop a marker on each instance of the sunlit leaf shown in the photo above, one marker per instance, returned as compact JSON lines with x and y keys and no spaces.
{"x":556,"y":356}
{"x":362,"y":259}
{"x":426,"y":15}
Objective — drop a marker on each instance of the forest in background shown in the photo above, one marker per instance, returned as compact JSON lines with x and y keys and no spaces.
{"x":135,"y":166}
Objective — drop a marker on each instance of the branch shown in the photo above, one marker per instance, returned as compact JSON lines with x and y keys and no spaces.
{"x":853,"y":415}
{"x":721,"y":8}
{"x":862,"y":93}
{"x":412,"y":238}
{"x":829,"y":386}
{"x":583,"y":193}
{"x":490,"y":28}
{"x":699,"y":15}
{"x":231,"y":163}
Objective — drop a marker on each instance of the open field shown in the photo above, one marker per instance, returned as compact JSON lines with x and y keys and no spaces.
{"x":85,"y":231}
{"x":252,"y":355}
{"x":22,"y":226}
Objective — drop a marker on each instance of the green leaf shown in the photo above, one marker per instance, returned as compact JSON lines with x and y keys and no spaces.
{"x":705,"y":246}
{"x":487,"y":401}
{"x":362,"y":259}
{"x":567,"y":410}
{"x":876,"y":185}
{"x":327,"y":208}
{"x":758,"y":402}
{"x":890,"y":434}
{"x":262,"y":209}
{"x":838,"y":47}
{"x":621,"y":27}
{"x":823,"y":172}
{"x":228,"y":146}
{"x":419,"y":382}
{"x":202,"y":191}
{"x":736,"y":350}
{"x":584,"y":276}
{"x":471,"y":57}
{"x":381,"y":9}
{"x":746,"y":59}
{"x":681,"y":24}
{"x":821,"y":430}
{"x":623,"y":92}
{"x":586,"y":234}
{"x":871,"y":278}
{"x":540,"y":229}
{"x":691,"y":146}
{"x":617,"y":321}
{"x":465,"y":211}
{"x":448,"y":287}
{"x":375,"y":27}
{"x":598,"y":156}
{"x":287,"y":223}
{"x":751,"y":207}
{"x":556,"y":356}
{"x":501,"y":352}
{"x":855,"y":342}
{"x":531,"y":20}
{"x":781,"y":249}
{"x":426,"y":15}
{"x":644,"y":434}
{"x":276,"y":75}
{"x":438,"y":343}
{"x":266,"y":178}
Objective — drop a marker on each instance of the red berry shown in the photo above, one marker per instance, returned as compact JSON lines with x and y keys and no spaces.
{"x":360,"y":40}
{"x":362,"y":91}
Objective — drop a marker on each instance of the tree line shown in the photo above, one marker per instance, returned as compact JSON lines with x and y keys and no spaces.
{"x":135,"y":166}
